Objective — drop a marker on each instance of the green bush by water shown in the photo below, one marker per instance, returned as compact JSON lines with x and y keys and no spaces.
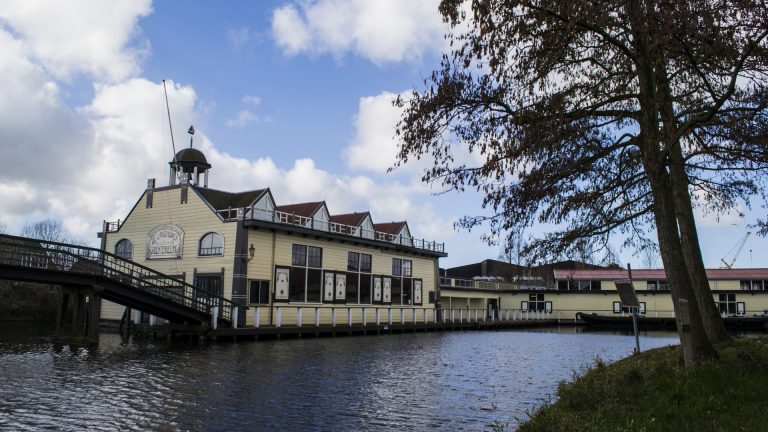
{"x":653,"y":392}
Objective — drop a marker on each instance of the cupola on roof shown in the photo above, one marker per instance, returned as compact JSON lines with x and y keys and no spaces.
{"x":189,"y":158}
{"x":190,"y":162}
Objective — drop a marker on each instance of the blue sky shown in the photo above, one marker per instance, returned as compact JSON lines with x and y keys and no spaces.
{"x":291,"y":95}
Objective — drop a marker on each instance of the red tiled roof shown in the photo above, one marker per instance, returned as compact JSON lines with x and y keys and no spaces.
{"x":351,"y":219}
{"x":389,"y":228}
{"x":652,"y":274}
{"x":301,"y":209}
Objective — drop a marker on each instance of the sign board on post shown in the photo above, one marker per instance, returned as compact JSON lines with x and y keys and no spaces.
{"x":628,"y":298}
{"x":627,"y":293}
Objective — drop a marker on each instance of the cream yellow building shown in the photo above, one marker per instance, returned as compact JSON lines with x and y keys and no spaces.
{"x":279,"y":261}
{"x":736,"y":292}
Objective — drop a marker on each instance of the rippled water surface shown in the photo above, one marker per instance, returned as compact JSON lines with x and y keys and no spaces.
{"x":441,"y":381}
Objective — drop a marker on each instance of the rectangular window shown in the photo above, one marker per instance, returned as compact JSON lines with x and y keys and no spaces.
{"x":314,"y":284}
{"x":365,"y":263}
{"x":753,"y":285}
{"x":365,"y":288}
{"x":397,"y":267}
{"x":562,"y":285}
{"x":619,"y":308}
{"x":407,"y":291}
{"x":352,"y":288}
{"x":358,"y":282}
{"x":407,"y":268}
{"x":402,"y":284}
{"x":657,"y":285}
{"x":727,"y":304}
{"x":536,"y":302}
{"x":315,"y":257}
{"x":396,"y":291}
{"x":353,"y":261}
{"x":259,"y":292}
{"x":298,"y":284}
{"x":306,"y":275}
{"x":299,"y":255}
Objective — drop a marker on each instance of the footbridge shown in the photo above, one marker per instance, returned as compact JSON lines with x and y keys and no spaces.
{"x":88,"y":274}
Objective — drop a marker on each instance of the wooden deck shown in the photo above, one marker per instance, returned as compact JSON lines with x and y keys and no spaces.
{"x":172,"y":331}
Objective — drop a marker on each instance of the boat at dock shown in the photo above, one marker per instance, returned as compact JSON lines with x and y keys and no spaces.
{"x":758,"y":322}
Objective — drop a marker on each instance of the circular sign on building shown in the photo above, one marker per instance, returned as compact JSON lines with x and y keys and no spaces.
{"x":164,"y":242}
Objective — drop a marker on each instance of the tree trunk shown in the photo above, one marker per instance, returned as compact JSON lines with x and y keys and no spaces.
{"x":710,"y":316}
{"x":695,"y":345}
{"x":686,"y":223}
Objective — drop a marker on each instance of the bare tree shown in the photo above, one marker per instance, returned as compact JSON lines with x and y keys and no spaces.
{"x":601,"y":118}
{"x":47,"y":229}
{"x":650,"y":256}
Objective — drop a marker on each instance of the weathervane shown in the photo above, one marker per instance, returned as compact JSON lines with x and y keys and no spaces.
{"x":191,"y":133}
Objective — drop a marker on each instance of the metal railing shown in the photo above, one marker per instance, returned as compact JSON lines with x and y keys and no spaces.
{"x":53,"y":256}
{"x":253,"y":213}
{"x":449,"y":282}
{"x":316,"y":316}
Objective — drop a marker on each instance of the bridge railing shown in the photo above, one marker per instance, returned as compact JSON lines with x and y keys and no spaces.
{"x":47,"y":255}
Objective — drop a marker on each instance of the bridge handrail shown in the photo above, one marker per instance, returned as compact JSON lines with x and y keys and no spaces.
{"x":43,"y":254}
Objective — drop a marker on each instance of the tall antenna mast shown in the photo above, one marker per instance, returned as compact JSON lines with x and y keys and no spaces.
{"x":170,"y":126}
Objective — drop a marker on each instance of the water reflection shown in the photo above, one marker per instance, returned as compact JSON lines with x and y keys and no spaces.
{"x":446,"y":381}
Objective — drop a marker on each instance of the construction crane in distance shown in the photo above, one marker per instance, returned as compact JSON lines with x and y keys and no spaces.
{"x":738,"y":247}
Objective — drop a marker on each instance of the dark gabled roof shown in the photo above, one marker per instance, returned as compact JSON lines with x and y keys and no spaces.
{"x":221,"y":200}
{"x":352,"y":219}
{"x":301,"y":209}
{"x":390,"y":228}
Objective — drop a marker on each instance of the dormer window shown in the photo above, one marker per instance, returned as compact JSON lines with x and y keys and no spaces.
{"x":211,"y":244}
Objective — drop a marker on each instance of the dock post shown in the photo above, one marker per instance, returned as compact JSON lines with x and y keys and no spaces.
{"x":214,"y":317}
{"x":298,"y":317}
{"x":333,"y":316}
{"x":362,"y":317}
{"x":349,"y":317}
{"x":389,"y":316}
{"x":378,"y":316}
{"x":235,"y":310}
{"x":278,"y":316}
{"x":317,"y":317}
{"x":461,"y":315}
{"x":402,"y":316}
{"x":258,"y":317}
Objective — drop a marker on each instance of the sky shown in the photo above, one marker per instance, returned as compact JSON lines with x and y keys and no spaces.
{"x":291,"y":95}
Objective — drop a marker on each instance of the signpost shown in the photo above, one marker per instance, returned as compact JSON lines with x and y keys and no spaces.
{"x":628,"y":298}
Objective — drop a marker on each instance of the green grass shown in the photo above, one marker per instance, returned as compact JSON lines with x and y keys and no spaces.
{"x":653,"y":392}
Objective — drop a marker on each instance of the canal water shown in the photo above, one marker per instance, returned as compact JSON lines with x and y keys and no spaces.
{"x":424,"y":381}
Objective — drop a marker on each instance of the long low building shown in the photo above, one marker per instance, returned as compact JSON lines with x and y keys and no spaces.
{"x":736,"y":292}
{"x":298,"y":258}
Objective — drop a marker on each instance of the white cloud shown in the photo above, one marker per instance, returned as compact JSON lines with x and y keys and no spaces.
{"x":382,"y":31}
{"x":239,"y":38}
{"x":83,"y":36}
{"x":374,"y":147}
{"x":251,"y":100}
{"x":83,"y":165}
{"x":242,"y":119}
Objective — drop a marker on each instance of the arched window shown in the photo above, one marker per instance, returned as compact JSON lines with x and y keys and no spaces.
{"x":211,"y":244}
{"x":124,"y":249}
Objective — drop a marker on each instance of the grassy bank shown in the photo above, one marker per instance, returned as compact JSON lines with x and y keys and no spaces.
{"x":653,"y":392}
